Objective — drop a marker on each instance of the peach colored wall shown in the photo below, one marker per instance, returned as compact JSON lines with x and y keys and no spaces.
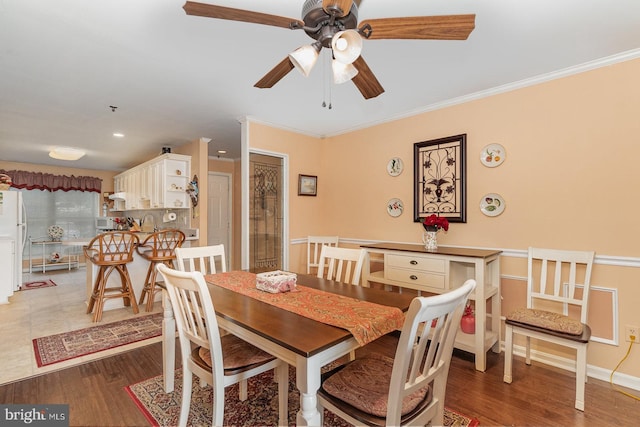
{"x":571,"y":160}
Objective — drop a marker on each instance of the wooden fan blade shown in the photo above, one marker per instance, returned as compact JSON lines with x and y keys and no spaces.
{"x":220,"y":12}
{"x":447,"y":27}
{"x":365,"y":81}
{"x":276,"y":73}
{"x":330,"y":6}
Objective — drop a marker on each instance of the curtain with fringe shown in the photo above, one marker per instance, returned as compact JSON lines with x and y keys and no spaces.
{"x":50,"y":182}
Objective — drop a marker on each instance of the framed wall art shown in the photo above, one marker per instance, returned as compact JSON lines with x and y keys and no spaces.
{"x":307,"y":185}
{"x":439,"y":183}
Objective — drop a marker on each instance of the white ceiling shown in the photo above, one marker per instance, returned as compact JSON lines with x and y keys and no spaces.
{"x":176,"y":78}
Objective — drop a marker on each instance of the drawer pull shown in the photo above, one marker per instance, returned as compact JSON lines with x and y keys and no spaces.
{"x":413,"y":277}
{"x":413,"y":262}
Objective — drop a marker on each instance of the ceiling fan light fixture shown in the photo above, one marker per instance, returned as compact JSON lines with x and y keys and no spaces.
{"x":342,"y":73}
{"x":346,"y":46}
{"x":305,"y":57}
{"x":66,"y":153}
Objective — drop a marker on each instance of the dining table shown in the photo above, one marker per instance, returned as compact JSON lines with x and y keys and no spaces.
{"x":301,"y":341}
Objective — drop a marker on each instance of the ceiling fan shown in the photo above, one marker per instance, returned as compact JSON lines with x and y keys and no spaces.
{"x":333,"y":23}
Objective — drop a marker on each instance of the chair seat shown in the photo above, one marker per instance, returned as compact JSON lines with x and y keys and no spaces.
{"x":546,"y":320}
{"x":364,"y":385}
{"x":584,"y":337}
{"x":236,"y":354}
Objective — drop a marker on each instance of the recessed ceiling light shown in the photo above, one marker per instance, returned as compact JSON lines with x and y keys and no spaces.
{"x":66,"y":153}
{"x":222,"y":151}
{"x":118,"y":135}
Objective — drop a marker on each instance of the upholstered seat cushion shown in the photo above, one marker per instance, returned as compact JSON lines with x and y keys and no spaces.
{"x":547,"y":320}
{"x":364,"y":384}
{"x":237,"y":353}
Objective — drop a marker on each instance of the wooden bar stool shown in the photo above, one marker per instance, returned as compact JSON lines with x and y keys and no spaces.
{"x":158,"y":248}
{"x":111,"y":251}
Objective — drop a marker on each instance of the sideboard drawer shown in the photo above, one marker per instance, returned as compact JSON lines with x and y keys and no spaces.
{"x":434,"y":265}
{"x":416,"y":277}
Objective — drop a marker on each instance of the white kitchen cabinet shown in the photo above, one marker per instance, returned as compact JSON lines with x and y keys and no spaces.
{"x":413,"y":267}
{"x":159,"y":183}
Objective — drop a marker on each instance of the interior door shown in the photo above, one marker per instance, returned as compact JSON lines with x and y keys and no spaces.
{"x":219,"y":213}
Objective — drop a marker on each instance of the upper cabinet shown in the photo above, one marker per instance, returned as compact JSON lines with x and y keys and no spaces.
{"x":157,"y":184}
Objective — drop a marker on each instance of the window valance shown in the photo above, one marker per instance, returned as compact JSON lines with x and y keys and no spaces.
{"x":51,"y":182}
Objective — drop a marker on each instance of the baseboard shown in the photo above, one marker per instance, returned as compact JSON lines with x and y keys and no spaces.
{"x":622,"y":380}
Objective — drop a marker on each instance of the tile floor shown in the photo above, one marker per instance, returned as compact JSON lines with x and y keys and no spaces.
{"x":47,"y":311}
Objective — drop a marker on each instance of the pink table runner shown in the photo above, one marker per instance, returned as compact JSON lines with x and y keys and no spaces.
{"x":365,"y":320}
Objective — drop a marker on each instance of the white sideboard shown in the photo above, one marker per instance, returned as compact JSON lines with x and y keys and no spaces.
{"x":413,"y":267}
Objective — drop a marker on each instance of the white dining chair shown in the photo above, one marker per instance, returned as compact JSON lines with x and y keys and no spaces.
{"x":219,"y":361}
{"x":408,"y":389}
{"x":553,"y":288}
{"x":341,"y":264}
{"x":314,"y":246}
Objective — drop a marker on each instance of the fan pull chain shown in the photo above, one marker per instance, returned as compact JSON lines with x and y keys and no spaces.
{"x":326,"y":70}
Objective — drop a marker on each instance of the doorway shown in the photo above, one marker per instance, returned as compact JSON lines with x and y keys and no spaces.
{"x":266,"y":212}
{"x":219,"y":205}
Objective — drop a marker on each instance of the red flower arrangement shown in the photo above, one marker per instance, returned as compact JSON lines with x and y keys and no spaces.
{"x":434,"y":223}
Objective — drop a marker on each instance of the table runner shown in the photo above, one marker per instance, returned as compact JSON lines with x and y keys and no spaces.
{"x":365,"y":320}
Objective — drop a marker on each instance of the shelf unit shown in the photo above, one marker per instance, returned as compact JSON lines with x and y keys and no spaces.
{"x":413,"y":267}
{"x":160,"y":183}
{"x":69,"y":260}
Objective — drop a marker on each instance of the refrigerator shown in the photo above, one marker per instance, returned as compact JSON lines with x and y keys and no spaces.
{"x":13,"y":233}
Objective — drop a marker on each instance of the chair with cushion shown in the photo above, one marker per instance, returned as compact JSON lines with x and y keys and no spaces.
{"x":408,"y":389}
{"x":219,"y":361}
{"x":341,"y":264}
{"x":553,"y":289}
{"x":314,"y":246}
{"x":158,"y":247}
{"x":205,"y":259}
{"x":111,"y":251}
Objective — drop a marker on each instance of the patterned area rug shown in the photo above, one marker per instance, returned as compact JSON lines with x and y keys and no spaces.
{"x":260,"y":409}
{"x":68,"y":345}
{"x":47,"y":283}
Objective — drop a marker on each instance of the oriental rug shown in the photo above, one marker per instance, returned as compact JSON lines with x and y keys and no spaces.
{"x":37,"y":284}
{"x":68,"y":345}
{"x":260,"y":409}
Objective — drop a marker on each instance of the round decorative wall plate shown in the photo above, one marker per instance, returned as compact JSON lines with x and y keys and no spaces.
{"x":492,"y":204}
{"x":395,"y":207}
{"x":395,"y":166}
{"x":493,"y":155}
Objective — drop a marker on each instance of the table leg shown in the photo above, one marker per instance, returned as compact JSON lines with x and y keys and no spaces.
{"x":308,"y":383}
{"x":168,"y":344}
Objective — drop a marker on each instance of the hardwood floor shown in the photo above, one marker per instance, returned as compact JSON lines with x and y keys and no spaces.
{"x":539,"y":395}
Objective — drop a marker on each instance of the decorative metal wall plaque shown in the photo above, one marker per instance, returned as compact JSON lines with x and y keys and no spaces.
{"x":440,"y":178}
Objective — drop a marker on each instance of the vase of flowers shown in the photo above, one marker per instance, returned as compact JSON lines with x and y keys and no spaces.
{"x":432,"y":224}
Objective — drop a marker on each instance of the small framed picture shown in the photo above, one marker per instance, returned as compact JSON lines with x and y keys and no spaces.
{"x":307,"y":185}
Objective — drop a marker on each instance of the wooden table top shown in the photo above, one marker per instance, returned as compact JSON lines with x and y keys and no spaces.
{"x":297,"y":333}
{"x":442,"y":250}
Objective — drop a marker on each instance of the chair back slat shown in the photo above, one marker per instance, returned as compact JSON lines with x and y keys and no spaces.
{"x":314,"y":248}
{"x":559,"y":274}
{"x":205,"y":259}
{"x":341,"y":264}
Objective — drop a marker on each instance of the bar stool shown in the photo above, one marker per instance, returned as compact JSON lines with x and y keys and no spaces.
{"x":111,"y":251}
{"x":158,"y":248}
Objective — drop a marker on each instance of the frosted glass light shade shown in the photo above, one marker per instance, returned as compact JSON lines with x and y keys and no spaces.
{"x":66,"y":153}
{"x":346,"y":46}
{"x":342,"y":72}
{"x":304,"y":58}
